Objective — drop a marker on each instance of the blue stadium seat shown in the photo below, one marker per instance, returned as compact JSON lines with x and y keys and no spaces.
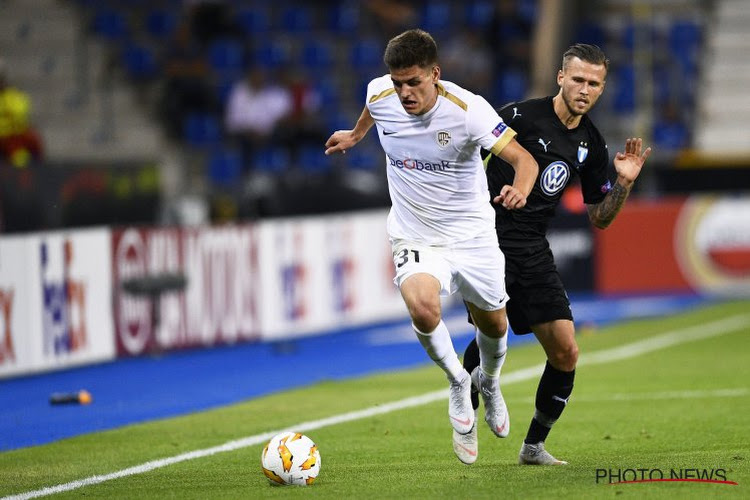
{"x":344,"y":18}
{"x":436,"y":17}
{"x":161,"y":23}
{"x":366,"y":54}
{"x":202,"y":130}
{"x":317,"y":55}
{"x":271,"y":160}
{"x":254,"y":20}
{"x":139,"y":62}
{"x":510,"y":86}
{"x":272,"y":54}
{"x":328,"y":92}
{"x":592,"y":33}
{"x":224,"y":167}
{"x":684,"y":41}
{"x":111,"y":25}
{"x":297,"y":19}
{"x":313,"y":160}
{"x":227,"y":58}
{"x":624,"y":94}
{"x":364,"y":159}
{"x":478,"y":13}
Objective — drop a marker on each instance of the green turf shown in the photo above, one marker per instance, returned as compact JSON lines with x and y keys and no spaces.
{"x":616,"y":420}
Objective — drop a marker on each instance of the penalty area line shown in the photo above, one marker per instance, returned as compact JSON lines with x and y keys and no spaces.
{"x":657,"y":342}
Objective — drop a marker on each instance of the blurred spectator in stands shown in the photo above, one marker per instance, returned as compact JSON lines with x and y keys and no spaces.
{"x":210,"y":20}
{"x":466,"y":57}
{"x":509,"y":36}
{"x":303,"y":125}
{"x":392,"y":16}
{"x":187,"y":86}
{"x":255,"y":109}
{"x":19,"y":142}
{"x":670,"y":132}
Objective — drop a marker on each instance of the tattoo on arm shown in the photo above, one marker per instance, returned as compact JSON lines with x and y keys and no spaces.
{"x":603,"y":213}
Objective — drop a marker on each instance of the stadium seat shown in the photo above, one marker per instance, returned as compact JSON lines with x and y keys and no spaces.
{"x":364,"y":158}
{"x":111,"y":25}
{"x":161,"y":23}
{"x":592,"y":33}
{"x":227,"y":58}
{"x":271,"y":160}
{"x":297,"y":19}
{"x":272,"y":54}
{"x":316,"y":55}
{"x":436,"y":17}
{"x":202,"y":130}
{"x":344,"y":18}
{"x":224,"y":167}
{"x":478,"y":14}
{"x":365,"y":54}
{"x":254,"y":20}
{"x":684,"y":41}
{"x":140,"y":62}
{"x":624,"y":94}
{"x":313,"y":160}
{"x":511,"y":86}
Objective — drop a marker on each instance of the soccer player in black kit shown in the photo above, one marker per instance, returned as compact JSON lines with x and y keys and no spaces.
{"x":564,"y":142}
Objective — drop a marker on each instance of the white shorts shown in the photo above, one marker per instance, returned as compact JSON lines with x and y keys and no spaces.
{"x":475,"y":268}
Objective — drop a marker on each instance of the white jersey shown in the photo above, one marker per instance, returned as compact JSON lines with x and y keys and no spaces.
{"x":436,"y":178}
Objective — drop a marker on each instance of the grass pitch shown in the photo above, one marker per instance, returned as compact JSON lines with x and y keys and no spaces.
{"x":676,"y":406}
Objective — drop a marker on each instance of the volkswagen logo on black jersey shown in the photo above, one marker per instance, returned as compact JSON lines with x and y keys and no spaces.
{"x":554,"y":178}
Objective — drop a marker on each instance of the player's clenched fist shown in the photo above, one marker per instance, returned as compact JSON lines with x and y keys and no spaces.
{"x":510,"y":198}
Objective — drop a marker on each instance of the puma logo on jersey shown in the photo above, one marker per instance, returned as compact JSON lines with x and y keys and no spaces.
{"x":544,"y":145}
{"x":515,"y":112}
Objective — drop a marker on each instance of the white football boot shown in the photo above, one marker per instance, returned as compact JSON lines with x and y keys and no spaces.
{"x":466,"y":446}
{"x":495,"y":411}
{"x":460,"y":412}
{"x":535,"y":454}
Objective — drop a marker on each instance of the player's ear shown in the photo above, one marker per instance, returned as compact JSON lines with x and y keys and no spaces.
{"x":559,"y":77}
{"x":435,"y":73}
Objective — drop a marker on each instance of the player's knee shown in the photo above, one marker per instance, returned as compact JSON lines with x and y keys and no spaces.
{"x":425,"y":316}
{"x":565,"y":358}
{"x":492,"y":324}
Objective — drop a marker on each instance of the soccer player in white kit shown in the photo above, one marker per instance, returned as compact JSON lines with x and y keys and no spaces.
{"x":441,"y":228}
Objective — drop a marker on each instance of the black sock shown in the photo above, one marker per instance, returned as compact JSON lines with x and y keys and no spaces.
{"x":552,"y":396}
{"x":471,"y":361}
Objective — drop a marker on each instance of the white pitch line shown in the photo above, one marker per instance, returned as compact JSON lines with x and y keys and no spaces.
{"x":668,"y":339}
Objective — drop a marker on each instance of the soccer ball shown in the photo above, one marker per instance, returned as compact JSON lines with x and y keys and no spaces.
{"x":291,"y":458}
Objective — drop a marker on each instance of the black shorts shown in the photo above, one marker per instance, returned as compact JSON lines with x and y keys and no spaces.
{"x":536,"y":292}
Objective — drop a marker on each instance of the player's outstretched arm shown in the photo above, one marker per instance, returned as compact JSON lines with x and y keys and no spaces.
{"x":514,"y":197}
{"x":341,"y":140}
{"x":628,"y":166}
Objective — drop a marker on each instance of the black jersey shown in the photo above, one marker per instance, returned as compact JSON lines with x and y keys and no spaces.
{"x":561,"y":153}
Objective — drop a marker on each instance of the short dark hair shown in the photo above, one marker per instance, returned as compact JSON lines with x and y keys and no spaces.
{"x":585,"y":52}
{"x":411,"y":48}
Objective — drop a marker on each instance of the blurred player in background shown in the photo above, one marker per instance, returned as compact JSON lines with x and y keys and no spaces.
{"x":564,"y":141}
{"x":441,"y":225}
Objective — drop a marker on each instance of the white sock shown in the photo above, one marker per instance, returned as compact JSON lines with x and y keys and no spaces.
{"x":440,"y":349}
{"x":491,"y":353}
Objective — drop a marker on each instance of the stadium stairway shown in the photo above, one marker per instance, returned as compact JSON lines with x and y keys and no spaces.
{"x":723,"y":99}
{"x":81,"y":116}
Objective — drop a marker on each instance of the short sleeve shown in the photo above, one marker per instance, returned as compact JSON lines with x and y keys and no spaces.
{"x":486,"y":127}
{"x":595,"y":179}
